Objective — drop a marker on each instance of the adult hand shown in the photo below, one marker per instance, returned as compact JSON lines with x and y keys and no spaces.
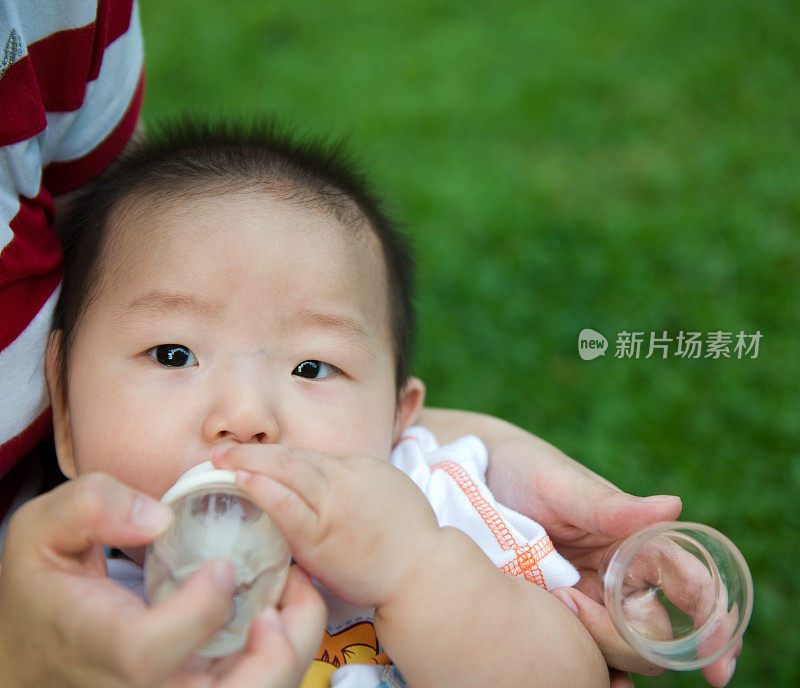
{"x":584,"y":515}
{"x":64,"y":623}
{"x":281,"y":644}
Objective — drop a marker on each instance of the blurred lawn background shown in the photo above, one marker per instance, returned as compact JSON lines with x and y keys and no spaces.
{"x":560,"y":165}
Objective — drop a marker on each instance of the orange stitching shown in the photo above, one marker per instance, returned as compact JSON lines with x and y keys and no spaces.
{"x":404,"y":439}
{"x":486,"y":511}
{"x":525,"y":563}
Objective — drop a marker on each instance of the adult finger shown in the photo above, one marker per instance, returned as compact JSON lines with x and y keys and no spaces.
{"x":93,"y":509}
{"x":562,"y":492}
{"x":662,"y":563}
{"x":620,"y":679}
{"x":595,"y":618}
{"x":269,"y":660}
{"x":184,"y":622}
{"x":721,"y":672}
{"x":282,"y":644}
{"x":303,"y":613}
{"x":604,"y":510}
{"x":137,"y":642}
{"x":725,"y":622}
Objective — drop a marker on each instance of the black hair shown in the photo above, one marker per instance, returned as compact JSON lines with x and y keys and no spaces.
{"x":220,"y":157}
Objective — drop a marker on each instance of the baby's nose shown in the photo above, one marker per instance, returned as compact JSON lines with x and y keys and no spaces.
{"x":243,"y":414}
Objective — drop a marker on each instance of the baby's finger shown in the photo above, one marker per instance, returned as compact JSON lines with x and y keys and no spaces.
{"x":295,"y":517}
{"x":297,"y":469}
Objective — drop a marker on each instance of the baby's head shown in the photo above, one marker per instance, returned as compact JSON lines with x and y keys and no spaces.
{"x":228,"y":285}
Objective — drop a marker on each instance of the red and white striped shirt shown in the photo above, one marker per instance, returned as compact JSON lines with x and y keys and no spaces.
{"x":71,"y":75}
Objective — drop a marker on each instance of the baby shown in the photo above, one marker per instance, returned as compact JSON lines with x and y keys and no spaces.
{"x":235,"y":295}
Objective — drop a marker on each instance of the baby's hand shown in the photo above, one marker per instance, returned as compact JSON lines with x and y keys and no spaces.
{"x":356,"y":523}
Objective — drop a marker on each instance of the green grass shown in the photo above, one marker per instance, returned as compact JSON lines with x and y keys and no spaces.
{"x":616,"y":165}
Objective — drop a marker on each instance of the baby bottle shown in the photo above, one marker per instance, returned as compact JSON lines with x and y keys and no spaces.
{"x":680,"y":594}
{"x":214,"y":519}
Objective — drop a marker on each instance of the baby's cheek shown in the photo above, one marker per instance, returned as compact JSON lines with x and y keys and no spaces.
{"x":366,"y":440}
{"x":137,"y":471}
{"x":374,"y":440}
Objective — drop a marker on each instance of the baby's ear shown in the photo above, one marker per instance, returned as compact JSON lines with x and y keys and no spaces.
{"x":57,"y":387}
{"x":409,"y":404}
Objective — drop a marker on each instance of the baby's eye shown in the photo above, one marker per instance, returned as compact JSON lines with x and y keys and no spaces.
{"x":172,"y":355}
{"x":314,"y":370}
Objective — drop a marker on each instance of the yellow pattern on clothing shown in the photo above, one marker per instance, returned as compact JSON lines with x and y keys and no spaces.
{"x":356,"y":644}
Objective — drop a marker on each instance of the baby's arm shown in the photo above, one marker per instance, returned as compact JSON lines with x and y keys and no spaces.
{"x":444,"y":613}
{"x":584,"y":515}
{"x":481,"y":627}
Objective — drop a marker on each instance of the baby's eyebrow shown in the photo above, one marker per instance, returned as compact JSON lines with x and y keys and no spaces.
{"x":343,"y":324}
{"x":159,"y":302}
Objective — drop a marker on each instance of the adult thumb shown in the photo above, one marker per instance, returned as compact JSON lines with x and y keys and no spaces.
{"x":94,"y":509}
{"x":620,"y":514}
{"x":598,"y":507}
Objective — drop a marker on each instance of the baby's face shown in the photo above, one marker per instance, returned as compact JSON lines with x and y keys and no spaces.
{"x":226,"y":319}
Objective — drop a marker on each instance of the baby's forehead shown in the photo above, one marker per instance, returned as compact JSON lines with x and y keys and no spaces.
{"x":169,"y":225}
{"x":184,"y":196}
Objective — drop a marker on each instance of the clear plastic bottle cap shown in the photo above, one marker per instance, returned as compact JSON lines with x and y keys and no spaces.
{"x":214,"y":519}
{"x":680,"y":593}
